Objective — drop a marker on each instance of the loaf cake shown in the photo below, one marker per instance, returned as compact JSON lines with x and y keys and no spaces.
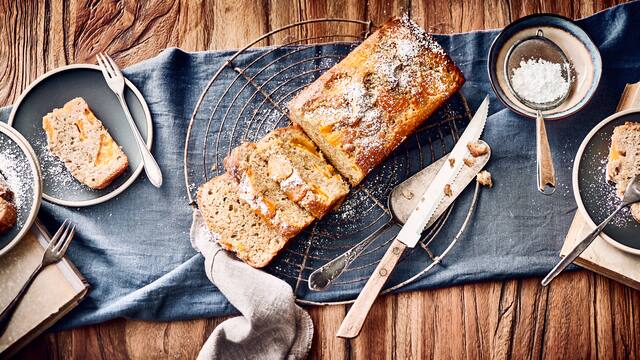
{"x":361,"y":109}
{"x":79,"y":139}
{"x":8,"y":213}
{"x":262,"y":193}
{"x":624,"y":159}
{"x":302,"y":172}
{"x":235,"y":225}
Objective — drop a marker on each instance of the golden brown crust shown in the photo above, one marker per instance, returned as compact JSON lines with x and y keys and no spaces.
{"x":367,"y":104}
{"x":107,"y":181}
{"x":232,"y":163}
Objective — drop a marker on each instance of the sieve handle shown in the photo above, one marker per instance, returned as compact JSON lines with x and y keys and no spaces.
{"x":546,"y":173}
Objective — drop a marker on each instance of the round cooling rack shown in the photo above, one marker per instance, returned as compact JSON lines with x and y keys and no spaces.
{"x":247,"y":97}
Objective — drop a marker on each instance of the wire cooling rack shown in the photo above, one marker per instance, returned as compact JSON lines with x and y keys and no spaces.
{"x":246,"y":98}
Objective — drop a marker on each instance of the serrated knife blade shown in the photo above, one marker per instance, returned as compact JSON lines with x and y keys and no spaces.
{"x":410,"y":233}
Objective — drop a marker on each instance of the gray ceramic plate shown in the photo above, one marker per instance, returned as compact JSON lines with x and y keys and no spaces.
{"x":596,"y":198}
{"x":53,"y":90}
{"x":19,"y":166}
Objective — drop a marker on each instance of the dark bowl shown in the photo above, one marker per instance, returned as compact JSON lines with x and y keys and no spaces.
{"x":574,"y":42}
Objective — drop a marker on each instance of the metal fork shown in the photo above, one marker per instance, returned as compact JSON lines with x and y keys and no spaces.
{"x":631,"y":196}
{"x":115,"y":80}
{"x":55,"y":252}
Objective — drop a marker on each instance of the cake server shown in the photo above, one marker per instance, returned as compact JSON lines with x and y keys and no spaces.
{"x":411,"y":232}
{"x":402,"y":201}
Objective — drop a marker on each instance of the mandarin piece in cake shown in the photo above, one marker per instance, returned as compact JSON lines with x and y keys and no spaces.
{"x":262,"y":193}
{"x":235,"y":225}
{"x":79,"y":139}
{"x":302,"y":172}
{"x":624,"y":159}
{"x":360,"y":110}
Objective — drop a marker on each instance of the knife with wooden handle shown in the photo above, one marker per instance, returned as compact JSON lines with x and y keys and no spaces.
{"x":411,"y":232}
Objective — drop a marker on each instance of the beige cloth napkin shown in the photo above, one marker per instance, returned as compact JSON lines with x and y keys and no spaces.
{"x":271,"y":326}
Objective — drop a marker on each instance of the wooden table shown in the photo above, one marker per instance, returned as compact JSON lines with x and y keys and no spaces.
{"x":581,"y":315}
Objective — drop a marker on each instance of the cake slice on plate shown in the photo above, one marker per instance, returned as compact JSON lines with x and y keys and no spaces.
{"x":624,"y":159}
{"x":78,"y":138}
{"x":8,"y":213}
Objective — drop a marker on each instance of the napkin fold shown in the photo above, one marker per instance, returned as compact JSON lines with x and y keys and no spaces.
{"x":271,"y":326}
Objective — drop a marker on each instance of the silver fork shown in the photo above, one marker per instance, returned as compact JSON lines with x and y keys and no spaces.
{"x":55,"y":252}
{"x":631,"y":196}
{"x":115,"y":80}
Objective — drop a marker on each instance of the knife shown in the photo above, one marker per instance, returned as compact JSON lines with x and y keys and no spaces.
{"x":410,"y":233}
{"x":403,"y":200}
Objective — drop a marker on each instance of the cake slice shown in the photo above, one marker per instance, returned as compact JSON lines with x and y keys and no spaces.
{"x":624,"y":159}
{"x":235,"y":225}
{"x":79,"y":139}
{"x":262,"y":193}
{"x":8,"y":212}
{"x":361,"y":109}
{"x":302,"y":172}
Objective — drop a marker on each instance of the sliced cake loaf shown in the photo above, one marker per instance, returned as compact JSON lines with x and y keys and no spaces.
{"x":624,"y":159}
{"x":262,"y":193}
{"x":295,"y":163}
{"x":79,"y":139}
{"x":361,"y":109}
{"x":235,"y":225}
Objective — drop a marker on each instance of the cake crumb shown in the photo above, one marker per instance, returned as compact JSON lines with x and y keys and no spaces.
{"x":407,"y":194}
{"x":484,"y":178}
{"x":469,"y":161}
{"x":452,"y":162}
{"x":477,"y":148}
{"x":447,"y":190}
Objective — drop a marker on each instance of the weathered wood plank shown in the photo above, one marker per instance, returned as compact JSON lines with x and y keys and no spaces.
{"x":326,"y":321}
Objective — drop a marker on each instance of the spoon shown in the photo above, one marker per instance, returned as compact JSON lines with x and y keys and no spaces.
{"x":631,"y":196}
{"x":539,"y":47}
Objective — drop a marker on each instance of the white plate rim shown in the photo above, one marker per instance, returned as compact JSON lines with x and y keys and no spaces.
{"x":117,"y":191}
{"x":576,"y":191}
{"x":14,"y":135}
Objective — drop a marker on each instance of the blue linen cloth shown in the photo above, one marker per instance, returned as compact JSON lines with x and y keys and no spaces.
{"x":135,"y":250}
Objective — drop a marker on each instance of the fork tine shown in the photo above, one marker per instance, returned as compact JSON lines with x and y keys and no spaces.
{"x":103,"y":67}
{"x":108,"y":65}
{"x":66,"y":242}
{"x":54,"y":240}
{"x":64,"y":235}
{"x":115,"y":67}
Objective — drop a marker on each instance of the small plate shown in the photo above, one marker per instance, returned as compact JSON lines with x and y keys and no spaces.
{"x":596,"y":197}
{"x":53,"y":90}
{"x":574,"y":42}
{"x":19,"y":165}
